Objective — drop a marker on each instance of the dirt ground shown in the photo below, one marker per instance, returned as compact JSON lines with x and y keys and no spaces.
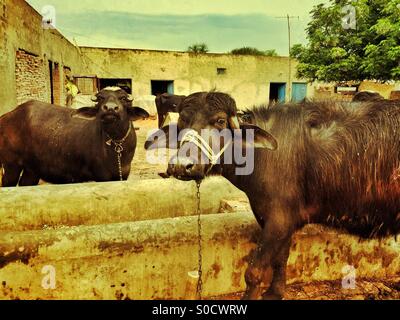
{"x":366,"y":289}
{"x":141,"y":168}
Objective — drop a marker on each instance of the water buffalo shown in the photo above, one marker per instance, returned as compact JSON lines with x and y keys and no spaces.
{"x":367,"y":96}
{"x":60,"y":145}
{"x":331,"y":163}
{"x":167,"y":103}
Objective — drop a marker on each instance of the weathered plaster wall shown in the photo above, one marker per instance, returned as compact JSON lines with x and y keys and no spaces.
{"x":247,"y":78}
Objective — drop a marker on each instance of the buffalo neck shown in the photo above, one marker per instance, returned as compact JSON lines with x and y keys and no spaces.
{"x":242,"y":182}
{"x":116,"y":130}
{"x":255,"y":181}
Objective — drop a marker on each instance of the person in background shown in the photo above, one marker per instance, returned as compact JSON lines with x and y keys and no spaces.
{"x":72,"y":91}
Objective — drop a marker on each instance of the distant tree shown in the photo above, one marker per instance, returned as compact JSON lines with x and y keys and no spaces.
{"x":198,"y":48}
{"x":271,"y":53}
{"x":351,"y":41}
{"x":254,"y":52}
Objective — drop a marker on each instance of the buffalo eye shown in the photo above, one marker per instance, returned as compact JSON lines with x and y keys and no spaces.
{"x":221,"y":122}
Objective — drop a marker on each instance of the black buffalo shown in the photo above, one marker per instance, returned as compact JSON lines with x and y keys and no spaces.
{"x":59,"y":145}
{"x":363,"y":96}
{"x":166,"y":103}
{"x":332,"y":163}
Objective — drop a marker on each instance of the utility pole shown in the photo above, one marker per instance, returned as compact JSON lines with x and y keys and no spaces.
{"x":290,"y":46}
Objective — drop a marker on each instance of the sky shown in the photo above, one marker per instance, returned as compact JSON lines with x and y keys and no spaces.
{"x":175,"y":24}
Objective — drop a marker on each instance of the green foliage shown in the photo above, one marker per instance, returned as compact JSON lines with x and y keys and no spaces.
{"x":271,"y":53}
{"x":369,"y":51}
{"x":254,"y":52}
{"x":198,"y":48}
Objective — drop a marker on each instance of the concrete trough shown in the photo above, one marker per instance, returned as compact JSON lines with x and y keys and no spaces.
{"x":34,"y":208}
{"x":151,"y":259}
{"x":138,"y":240}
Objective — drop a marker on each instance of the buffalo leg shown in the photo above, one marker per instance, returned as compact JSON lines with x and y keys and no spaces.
{"x":11,"y":175}
{"x":269,"y":262}
{"x":161,"y":117}
{"x":256,"y":274}
{"x":29,"y":178}
{"x":276,"y":290}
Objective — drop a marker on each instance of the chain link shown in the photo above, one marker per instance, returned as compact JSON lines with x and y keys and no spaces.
{"x":199,"y":288}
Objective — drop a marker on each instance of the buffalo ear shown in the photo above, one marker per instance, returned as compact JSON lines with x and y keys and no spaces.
{"x":136,"y":113}
{"x":255,"y":137}
{"x":166,"y":137}
{"x":89,"y":113}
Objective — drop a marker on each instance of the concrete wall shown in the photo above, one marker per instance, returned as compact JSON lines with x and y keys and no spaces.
{"x":322,"y":91}
{"x":247,"y":78}
{"x":21,"y":29}
{"x":385,"y":89}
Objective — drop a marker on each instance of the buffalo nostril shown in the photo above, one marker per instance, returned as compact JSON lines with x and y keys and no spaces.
{"x":116,"y":109}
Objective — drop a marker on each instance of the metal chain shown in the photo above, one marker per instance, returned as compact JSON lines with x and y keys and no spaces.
{"x":118,"y":149}
{"x":199,"y":288}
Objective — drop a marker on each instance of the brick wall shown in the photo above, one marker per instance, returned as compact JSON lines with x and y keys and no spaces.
{"x":31,"y":77}
{"x":56,"y":84}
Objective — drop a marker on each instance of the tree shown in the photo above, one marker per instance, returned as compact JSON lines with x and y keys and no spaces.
{"x":338,"y":50}
{"x":271,"y":53}
{"x":253,"y":52}
{"x":198,"y":48}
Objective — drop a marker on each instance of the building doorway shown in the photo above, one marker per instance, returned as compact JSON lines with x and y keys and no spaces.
{"x":277,"y":92}
{"x":159,"y":87}
{"x":124,"y":84}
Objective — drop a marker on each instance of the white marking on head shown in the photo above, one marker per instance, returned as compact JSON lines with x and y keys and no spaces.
{"x":112,"y":89}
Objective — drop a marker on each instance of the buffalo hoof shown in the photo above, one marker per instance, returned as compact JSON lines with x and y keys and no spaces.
{"x":252,"y":294}
{"x":269,"y":295}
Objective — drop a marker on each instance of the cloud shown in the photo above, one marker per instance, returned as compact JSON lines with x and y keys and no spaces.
{"x":222,"y":33}
{"x":174,"y":25}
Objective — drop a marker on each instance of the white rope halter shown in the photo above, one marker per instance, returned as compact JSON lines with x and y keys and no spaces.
{"x":193,"y":137}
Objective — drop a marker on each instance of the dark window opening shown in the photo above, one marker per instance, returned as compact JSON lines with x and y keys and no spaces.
{"x":221,"y":70}
{"x":51,"y":82}
{"x":159,"y":87}
{"x":277,"y":92}
{"x":125,"y":84}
